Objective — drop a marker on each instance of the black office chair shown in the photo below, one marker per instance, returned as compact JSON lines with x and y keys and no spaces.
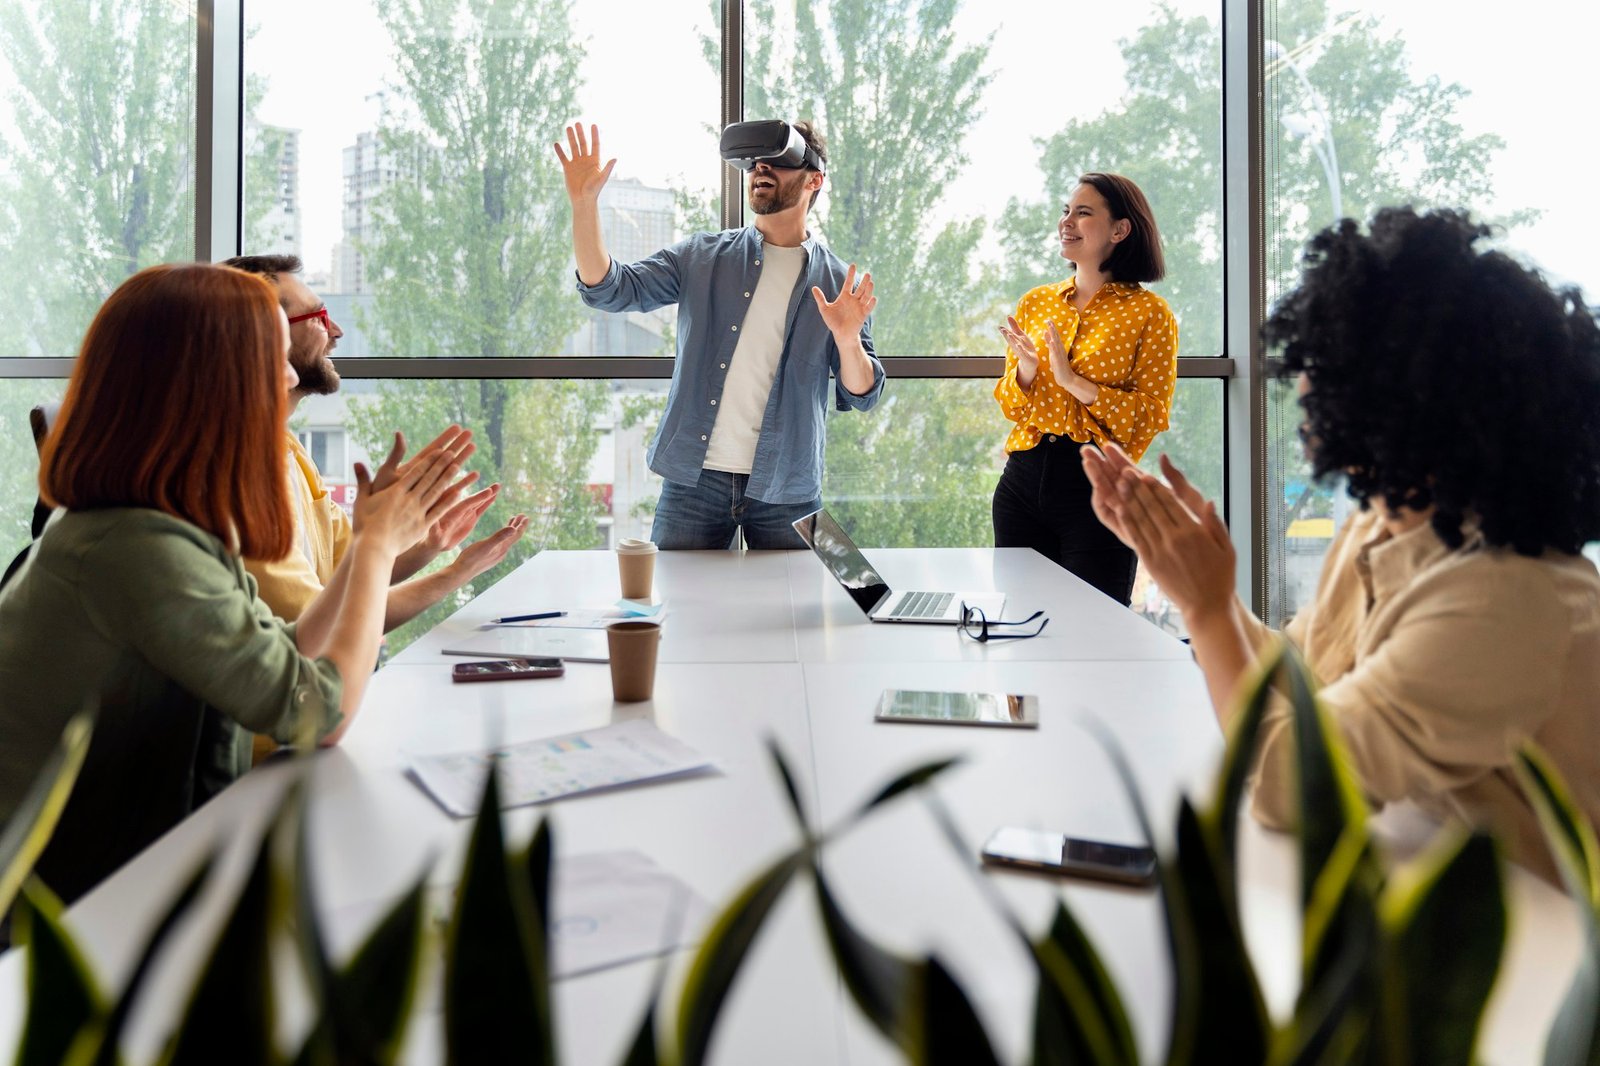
{"x":39,"y":420}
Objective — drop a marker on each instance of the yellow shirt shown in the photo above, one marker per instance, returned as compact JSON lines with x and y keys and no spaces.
{"x":321,"y":535}
{"x":1435,"y":664}
{"x":1125,"y":341}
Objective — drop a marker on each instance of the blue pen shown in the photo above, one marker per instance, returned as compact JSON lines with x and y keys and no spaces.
{"x":528,"y":617}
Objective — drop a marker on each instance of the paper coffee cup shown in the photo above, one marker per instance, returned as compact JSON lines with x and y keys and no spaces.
{"x":636,"y":565}
{"x":633,"y":659}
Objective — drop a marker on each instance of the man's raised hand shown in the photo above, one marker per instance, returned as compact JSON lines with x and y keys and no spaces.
{"x":580,"y":164}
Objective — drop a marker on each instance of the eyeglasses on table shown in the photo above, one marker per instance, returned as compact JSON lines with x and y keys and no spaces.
{"x":983,"y":629}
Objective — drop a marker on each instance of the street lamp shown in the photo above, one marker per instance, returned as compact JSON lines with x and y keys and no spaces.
{"x":1315,"y":128}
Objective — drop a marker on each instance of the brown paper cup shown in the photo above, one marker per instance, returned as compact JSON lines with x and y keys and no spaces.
{"x":638,"y":573}
{"x":633,"y":659}
{"x":636,"y":563}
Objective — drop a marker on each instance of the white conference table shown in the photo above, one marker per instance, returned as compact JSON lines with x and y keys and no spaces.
{"x":765,"y":645}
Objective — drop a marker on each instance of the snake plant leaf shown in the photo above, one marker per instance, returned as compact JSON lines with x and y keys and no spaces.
{"x":643,"y":1051}
{"x":535,"y":865}
{"x":370,"y":999}
{"x":1446,"y":915}
{"x":723,"y":951}
{"x":1330,"y":801}
{"x":1574,"y":1037}
{"x":63,"y":1001}
{"x":911,"y":779}
{"x":109,"y":1039}
{"x":790,"y":788}
{"x":1333,"y":1017}
{"x":1225,"y":1013}
{"x":491,"y":991}
{"x":952,"y":1033}
{"x":1222,"y":817}
{"x":230,"y":1016}
{"x":1078,"y":1014}
{"x":885,"y":986}
{"x":30,"y":825}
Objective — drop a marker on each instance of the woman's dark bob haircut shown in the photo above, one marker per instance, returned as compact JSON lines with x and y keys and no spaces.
{"x":1442,"y":374}
{"x":1137,"y":257}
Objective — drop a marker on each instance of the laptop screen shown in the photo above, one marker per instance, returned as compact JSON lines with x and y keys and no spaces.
{"x":843,"y":558}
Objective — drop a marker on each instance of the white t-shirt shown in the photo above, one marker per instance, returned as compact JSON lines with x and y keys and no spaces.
{"x":743,"y":404}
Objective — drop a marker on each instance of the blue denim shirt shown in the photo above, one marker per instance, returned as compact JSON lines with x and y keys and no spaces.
{"x":711,"y":276}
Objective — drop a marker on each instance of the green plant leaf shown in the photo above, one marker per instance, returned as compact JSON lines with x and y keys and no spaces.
{"x":370,"y":1000}
{"x":1223,"y":1005}
{"x":886,"y":986}
{"x":1331,"y":806}
{"x":491,"y":993}
{"x":1333,"y":1016}
{"x":642,"y":1051}
{"x":790,"y":788}
{"x":1078,"y":1015}
{"x":230,"y":1015}
{"x":535,"y":864}
{"x":63,"y":1001}
{"x":109,"y":1038}
{"x":1222,"y":818}
{"x":1446,"y":914}
{"x":911,"y":779}
{"x":1574,"y":1037}
{"x":723,"y":951}
{"x":28,"y":829}
{"x":952,"y":1033}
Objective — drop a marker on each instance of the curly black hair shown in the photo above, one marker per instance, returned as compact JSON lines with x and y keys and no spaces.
{"x":1444,"y":375}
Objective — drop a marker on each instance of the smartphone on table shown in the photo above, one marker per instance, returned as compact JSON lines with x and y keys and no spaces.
{"x":1037,"y":849}
{"x":507,"y":669}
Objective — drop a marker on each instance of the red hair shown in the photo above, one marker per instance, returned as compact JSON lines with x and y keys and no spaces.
{"x":177,"y":403}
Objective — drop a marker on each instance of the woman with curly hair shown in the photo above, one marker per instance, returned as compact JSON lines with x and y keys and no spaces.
{"x":1089,"y":360}
{"x":1455,"y":617}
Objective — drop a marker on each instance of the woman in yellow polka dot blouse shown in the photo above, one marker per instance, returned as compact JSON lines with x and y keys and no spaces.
{"x":1088,"y":360}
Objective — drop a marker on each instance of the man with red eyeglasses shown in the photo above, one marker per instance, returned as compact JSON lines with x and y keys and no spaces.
{"x":322,"y":530}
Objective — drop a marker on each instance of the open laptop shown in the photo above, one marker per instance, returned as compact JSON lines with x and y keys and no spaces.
{"x":872,"y":594}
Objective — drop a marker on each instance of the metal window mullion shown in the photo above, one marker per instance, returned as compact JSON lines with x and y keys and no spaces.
{"x":219,"y":129}
{"x":1244,"y":288}
{"x":732,"y":206}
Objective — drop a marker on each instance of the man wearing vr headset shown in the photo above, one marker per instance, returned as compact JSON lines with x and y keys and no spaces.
{"x":741,"y":441}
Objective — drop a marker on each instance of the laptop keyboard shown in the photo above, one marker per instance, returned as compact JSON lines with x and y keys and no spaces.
{"x":923,"y":604}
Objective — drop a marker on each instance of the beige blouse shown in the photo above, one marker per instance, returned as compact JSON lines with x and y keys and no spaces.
{"x":1435,"y":664}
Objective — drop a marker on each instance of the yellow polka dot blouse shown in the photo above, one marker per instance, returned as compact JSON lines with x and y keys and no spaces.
{"x":1125,"y":341}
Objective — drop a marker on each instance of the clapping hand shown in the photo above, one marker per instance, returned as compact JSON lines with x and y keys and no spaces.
{"x":480,"y":555}
{"x":1176,"y":532}
{"x":456,"y":524}
{"x":845,"y":315}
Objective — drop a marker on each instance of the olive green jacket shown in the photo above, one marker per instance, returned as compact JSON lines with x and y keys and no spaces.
{"x":156,"y":626}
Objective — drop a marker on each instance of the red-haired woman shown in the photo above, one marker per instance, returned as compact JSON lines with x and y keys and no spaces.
{"x":167,"y":460}
{"x":1089,"y":360}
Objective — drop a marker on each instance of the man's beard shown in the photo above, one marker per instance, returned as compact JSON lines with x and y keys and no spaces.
{"x":782,"y":198}
{"x":318,"y":377}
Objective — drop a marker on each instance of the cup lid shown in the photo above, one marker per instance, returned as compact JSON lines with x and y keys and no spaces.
{"x":635,"y":546}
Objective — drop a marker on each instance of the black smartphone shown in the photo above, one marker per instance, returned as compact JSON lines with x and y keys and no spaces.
{"x":507,"y":669}
{"x":1036,"y":849}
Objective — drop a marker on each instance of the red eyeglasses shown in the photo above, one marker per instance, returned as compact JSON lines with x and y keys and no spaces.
{"x":321,"y":312}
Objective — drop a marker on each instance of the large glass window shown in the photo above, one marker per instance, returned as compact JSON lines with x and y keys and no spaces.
{"x":415,"y":174}
{"x":1369,"y":105}
{"x":958,"y":130}
{"x":97,"y":122}
{"x":568,"y":454}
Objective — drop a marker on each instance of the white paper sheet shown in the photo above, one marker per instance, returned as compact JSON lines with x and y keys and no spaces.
{"x":538,"y":771}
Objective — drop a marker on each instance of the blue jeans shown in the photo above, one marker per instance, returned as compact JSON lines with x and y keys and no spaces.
{"x":705,"y":515}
